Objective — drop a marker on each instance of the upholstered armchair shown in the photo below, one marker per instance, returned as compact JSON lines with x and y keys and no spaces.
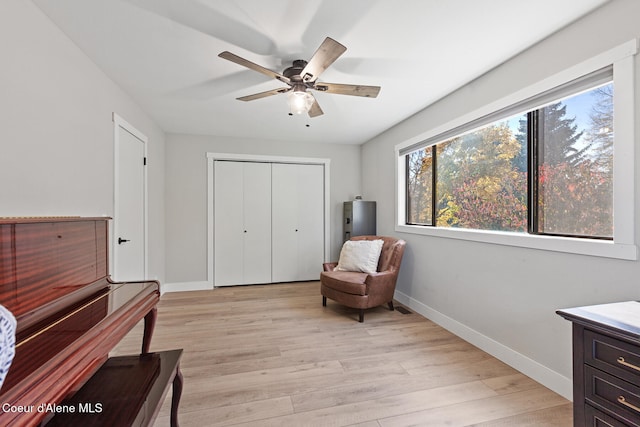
{"x":362,"y":290}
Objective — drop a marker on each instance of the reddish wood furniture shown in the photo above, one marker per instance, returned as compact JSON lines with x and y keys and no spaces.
{"x":70,"y":315}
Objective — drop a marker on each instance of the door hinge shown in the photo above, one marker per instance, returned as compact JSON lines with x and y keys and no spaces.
{"x":144,"y":161}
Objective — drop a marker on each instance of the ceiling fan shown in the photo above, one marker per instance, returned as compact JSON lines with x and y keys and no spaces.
{"x":302,"y":76}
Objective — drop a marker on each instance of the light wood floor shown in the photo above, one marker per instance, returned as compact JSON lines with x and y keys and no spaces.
{"x":273,"y":356}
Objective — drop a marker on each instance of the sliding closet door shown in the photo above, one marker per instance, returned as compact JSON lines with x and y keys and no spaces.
{"x":242,"y":210}
{"x":297,"y":222}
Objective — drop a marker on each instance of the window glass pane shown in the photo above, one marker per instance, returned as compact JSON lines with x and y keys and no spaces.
{"x":419,"y":187}
{"x":575,"y":176}
{"x":482,"y":178}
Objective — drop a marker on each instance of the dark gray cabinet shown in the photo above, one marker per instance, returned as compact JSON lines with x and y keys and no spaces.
{"x":359,"y":219}
{"x":606,"y":364}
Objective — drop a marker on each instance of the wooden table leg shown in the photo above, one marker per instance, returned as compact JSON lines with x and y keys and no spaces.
{"x":149,"y":326}
{"x":175,"y":396}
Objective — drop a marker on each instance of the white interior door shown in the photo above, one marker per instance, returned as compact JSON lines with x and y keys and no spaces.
{"x":228,"y":177}
{"x":285,"y":223}
{"x":129,"y":222}
{"x":242,"y":231}
{"x":298,"y":222}
{"x":284,"y":256}
{"x":310,"y":221}
{"x":257,"y":222}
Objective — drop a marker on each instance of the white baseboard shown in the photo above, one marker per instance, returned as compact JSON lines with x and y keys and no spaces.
{"x":540,"y":373}
{"x":185,"y":286}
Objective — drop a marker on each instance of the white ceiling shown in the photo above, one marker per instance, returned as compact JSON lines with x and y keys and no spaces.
{"x":164,"y":54}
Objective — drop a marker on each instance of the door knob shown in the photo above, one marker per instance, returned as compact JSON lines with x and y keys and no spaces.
{"x":121,"y":240}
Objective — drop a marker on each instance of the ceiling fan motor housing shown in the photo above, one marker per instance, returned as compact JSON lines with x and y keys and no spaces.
{"x":293,"y":72}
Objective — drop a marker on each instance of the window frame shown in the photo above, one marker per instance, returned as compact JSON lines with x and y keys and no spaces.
{"x":433,"y":203}
{"x":621,"y":58}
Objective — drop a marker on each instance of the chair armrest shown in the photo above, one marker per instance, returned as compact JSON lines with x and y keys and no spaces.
{"x":329,"y":266}
{"x":380,"y":277}
{"x":380,"y":281}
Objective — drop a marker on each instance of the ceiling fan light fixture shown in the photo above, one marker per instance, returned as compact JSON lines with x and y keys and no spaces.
{"x":300,"y":101}
{"x":302,"y":76}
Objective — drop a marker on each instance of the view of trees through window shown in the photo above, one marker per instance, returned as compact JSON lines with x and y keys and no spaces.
{"x":481,"y":177}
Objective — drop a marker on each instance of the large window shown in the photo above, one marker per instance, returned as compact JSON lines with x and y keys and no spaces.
{"x":550,"y":167}
{"x":481,"y":178}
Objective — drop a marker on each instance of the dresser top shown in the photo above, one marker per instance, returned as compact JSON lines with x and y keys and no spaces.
{"x":621,"y":316}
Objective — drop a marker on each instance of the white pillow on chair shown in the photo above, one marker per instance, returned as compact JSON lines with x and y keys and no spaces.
{"x":360,"y":255}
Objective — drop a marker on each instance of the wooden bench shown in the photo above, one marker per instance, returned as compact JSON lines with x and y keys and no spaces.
{"x":125,"y":391}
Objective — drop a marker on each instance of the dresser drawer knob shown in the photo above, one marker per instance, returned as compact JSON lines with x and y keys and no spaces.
{"x":622,"y":400}
{"x":627,"y":364}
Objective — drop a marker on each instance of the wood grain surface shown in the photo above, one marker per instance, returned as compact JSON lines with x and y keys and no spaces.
{"x":271,"y":355}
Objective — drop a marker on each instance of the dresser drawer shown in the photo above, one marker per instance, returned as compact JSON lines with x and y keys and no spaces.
{"x":595,"y":418}
{"x":612,"y":355}
{"x":612,"y":395}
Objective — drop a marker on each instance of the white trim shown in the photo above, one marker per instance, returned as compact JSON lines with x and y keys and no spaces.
{"x":119,"y":122}
{"x":212,"y":157}
{"x":624,"y":151}
{"x":184,"y":287}
{"x":210,"y":222}
{"x":623,"y":245}
{"x":267,"y":159}
{"x":599,"y":248}
{"x":540,"y":373}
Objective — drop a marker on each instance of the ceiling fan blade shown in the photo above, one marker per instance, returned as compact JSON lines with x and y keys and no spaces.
{"x":315,"y":109}
{"x":354,"y":90}
{"x":253,"y":66}
{"x":327,"y":53}
{"x":264,"y":94}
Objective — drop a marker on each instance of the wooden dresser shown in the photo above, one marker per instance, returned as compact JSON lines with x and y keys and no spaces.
{"x":606,"y":364}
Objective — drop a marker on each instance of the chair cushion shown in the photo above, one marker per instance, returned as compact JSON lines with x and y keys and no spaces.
{"x":350,"y":282}
{"x":360,"y":255}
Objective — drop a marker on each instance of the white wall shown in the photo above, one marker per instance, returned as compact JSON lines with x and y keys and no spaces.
{"x":504,"y":298}
{"x":56,"y":130}
{"x":186,"y":193}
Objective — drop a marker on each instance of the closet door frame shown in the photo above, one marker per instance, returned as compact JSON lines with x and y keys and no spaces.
{"x":212,"y":157}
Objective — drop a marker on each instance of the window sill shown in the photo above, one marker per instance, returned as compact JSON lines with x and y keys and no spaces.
{"x":598,"y":248}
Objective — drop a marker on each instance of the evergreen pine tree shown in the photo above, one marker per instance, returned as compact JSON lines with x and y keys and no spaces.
{"x":559,"y":137}
{"x":520,"y":161}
